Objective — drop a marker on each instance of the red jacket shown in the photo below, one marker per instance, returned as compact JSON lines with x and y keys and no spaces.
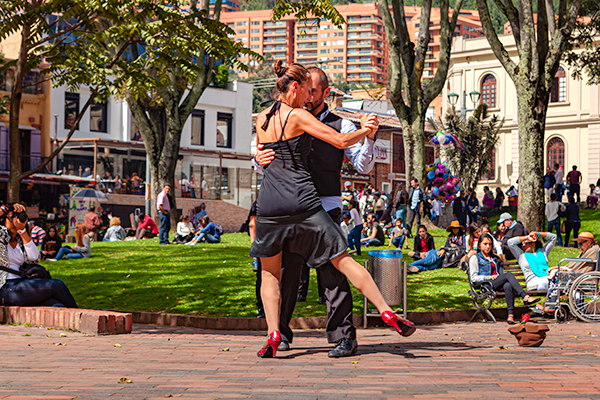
{"x":148,"y":223}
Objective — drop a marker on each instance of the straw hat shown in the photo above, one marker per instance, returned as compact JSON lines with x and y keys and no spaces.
{"x":454,"y":224}
{"x":583,"y":236}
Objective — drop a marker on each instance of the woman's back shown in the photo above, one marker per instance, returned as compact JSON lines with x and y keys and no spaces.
{"x":572,"y":213}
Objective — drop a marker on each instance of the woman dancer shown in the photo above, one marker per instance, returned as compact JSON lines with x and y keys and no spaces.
{"x":289,"y":211}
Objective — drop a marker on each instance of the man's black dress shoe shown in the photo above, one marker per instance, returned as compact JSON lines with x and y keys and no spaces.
{"x":345,"y":347}
{"x":322,"y":300}
{"x":284,"y":345}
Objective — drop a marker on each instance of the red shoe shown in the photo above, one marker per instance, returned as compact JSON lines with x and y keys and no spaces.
{"x":270,"y":348}
{"x":405,"y":328}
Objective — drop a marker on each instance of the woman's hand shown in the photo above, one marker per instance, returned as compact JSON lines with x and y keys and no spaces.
{"x":493,"y":277}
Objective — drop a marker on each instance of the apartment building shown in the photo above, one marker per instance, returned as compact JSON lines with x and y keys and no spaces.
{"x":358,"y":52}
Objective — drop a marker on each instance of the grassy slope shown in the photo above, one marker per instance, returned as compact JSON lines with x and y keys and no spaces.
{"x":217,"y":279}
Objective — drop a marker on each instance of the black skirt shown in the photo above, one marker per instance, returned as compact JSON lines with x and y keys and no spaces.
{"x":313,"y":235}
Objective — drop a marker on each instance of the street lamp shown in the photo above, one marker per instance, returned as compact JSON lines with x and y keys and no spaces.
{"x":474,"y":96}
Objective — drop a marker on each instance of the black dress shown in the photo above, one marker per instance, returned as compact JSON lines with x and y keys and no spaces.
{"x":288,"y":209}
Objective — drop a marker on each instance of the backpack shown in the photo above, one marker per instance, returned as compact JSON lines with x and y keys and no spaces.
{"x":219,"y":229}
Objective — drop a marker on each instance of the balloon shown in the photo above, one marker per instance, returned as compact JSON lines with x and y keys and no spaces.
{"x":437,"y":181}
{"x":435,"y":191}
{"x":431,"y":175}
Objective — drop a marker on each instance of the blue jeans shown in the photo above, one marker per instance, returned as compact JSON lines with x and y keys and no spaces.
{"x":431,"y":261}
{"x":36,"y":292}
{"x":354,"y":238}
{"x":556,"y":223}
{"x":165,"y":227}
{"x":398,"y":241}
{"x":559,"y":192}
{"x":372,"y":242}
{"x":209,"y":238}
{"x":67,"y":253}
{"x":401,"y":213}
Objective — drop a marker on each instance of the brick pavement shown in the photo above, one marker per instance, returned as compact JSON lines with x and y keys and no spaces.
{"x":452,"y":361}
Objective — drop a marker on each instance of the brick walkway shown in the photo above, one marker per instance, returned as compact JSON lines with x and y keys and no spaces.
{"x":451,"y":361}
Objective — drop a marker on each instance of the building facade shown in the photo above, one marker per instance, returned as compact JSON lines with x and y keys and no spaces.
{"x":572,"y":124}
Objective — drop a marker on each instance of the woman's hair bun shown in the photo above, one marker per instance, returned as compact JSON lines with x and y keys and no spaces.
{"x":279,"y":69}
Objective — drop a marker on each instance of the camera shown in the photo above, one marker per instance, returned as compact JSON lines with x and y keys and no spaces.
{"x":22,"y":216}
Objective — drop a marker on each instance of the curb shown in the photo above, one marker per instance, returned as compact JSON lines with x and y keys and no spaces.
{"x":223,"y":323}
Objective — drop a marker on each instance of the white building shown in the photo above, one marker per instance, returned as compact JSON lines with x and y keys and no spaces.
{"x":215,"y":142}
{"x":572,"y":124}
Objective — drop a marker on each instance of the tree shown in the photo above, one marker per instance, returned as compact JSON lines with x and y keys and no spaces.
{"x":479,"y":134}
{"x":540,"y":45}
{"x":39,"y":39}
{"x":585,"y":38}
{"x":264,"y":79}
{"x":410,"y":94}
{"x":170,"y":58}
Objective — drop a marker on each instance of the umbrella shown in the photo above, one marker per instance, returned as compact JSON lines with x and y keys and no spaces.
{"x":91,"y":195}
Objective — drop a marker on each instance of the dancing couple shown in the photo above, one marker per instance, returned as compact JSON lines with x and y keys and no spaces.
{"x":289,"y":212}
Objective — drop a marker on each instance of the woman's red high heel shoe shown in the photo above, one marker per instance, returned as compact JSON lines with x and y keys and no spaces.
{"x":270,"y":348}
{"x":405,"y":328}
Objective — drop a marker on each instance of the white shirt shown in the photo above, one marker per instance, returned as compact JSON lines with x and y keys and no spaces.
{"x":436,"y":206}
{"x":346,"y":228}
{"x":360,"y":155}
{"x":552,"y":210}
{"x":558,"y":175}
{"x":355,"y":217}
{"x":184,"y":229}
{"x":16,"y":258}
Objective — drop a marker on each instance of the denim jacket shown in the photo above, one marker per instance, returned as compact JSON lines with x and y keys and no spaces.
{"x":480,"y":268}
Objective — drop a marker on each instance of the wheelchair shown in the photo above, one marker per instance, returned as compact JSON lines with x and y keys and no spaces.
{"x":575,"y":293}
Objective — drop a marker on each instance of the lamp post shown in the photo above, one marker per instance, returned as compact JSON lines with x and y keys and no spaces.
{"x":474,"y":96}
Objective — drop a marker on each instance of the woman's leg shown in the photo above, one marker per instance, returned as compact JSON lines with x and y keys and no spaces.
{"x":269,"y":290}
{"x":361,"y":279}
{"x":33,"y":292}
{"x":73,"y":254}
{"x":568,"y":228}
{"x":212,"y":239}
{"x":63,"y":252}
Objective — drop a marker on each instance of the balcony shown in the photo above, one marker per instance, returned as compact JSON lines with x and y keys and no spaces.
{"x":271,"y":32}
{"x":307,"y":45}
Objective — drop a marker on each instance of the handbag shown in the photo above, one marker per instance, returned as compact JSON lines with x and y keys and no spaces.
{"x":563,"y":227}
{"x":29,"y":270}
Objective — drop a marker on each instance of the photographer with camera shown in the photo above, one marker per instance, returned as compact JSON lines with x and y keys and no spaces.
{"x":16,"y":250}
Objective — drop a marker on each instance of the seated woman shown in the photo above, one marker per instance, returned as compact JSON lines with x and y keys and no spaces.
{"x":16,"y":248}
{"x":185,"y":230}
{"x":485,"y":228}
{"x":115,"y":233}
{"x":533,"y":257}
{"x":592,"y":199}
{"x":485,"y":267}
{"x":83,"y":248}
{"x":208,"y":233}
{"x":51,"y":243}
{"x":423,"y":244}
{"x":456,"y":238}
{"x":147,"y":228}
{"x":472,"y":239}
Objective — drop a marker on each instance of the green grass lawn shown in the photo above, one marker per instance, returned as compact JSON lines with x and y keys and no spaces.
{"x":217,"y":279}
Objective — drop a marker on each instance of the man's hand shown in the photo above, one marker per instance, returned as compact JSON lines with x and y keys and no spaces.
{"x":441,"y":252}
{"x":264,"y":157}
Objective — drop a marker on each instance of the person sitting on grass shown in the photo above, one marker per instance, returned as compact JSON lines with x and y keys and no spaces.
{"x":147,"y":228}
{"x":372,"y":234}
{"x":207,"y":234}
{"x":456,"y":237}
{"x":532,"y":257}
{"x":185,"y":230}
{"x":423,"y":244}
{"x":347,"y":227}
{"x":485,"y":266}
{"x":115,"y":233}
{"x":51,"y":244}
{"x":472,"y":239}
{"x":398,"y":234}
{"x":83,"y":248}
{"x":37,"y":233}
{"x":592,"y":199}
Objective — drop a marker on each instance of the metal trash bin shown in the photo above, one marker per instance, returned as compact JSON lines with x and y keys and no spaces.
{"x":389,"y":273}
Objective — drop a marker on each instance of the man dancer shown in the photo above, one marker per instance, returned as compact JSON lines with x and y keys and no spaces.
{"x":325,"y":164}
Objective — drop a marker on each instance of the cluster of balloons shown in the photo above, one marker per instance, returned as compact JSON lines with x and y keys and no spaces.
{"x":444,"y":185}
{"x":445,"y":139}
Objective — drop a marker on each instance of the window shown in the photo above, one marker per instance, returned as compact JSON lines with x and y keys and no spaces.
{"x":325,"y":51}
{"x":398,"y":164}
{"x":488,"y":90}
{"x":337,"y":42}
{"x":241,"y":23}
{"x":328,"y":43}
{"x":338,"y":34}
{"x":224,"y":129}
{"x":325,"y":27}
{"x":490,"y":173}
{"x":255,"y":23}
{"x":325,"y":35}
{"x":429,"y":155}
{"x":241,"y":31}
{"x":338,"y":66}
{"x":31,"y":83}
{"x":254,"y":39}
{"x":254,"y":47}
{"x":98,"y":117}
{"x":254,"y":31}
{"x":338,"y":50}
{"x":71,"y":109}
{"x":559,"y":86}
{"x":198,"y":127}
{"x":556,"y":152}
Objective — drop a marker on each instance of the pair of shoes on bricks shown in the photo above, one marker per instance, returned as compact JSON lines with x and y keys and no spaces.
{"x":344,"y":347}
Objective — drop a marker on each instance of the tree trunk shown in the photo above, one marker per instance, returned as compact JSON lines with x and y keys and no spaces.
{"x":532,"y":117}
{"x":14,"y":180}
{"x":420,"y":163}
{"x":407,"y":137}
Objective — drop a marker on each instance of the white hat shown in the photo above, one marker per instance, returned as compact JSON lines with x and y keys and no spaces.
{"x":347,"y":184}
{"x":504,"y":217}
